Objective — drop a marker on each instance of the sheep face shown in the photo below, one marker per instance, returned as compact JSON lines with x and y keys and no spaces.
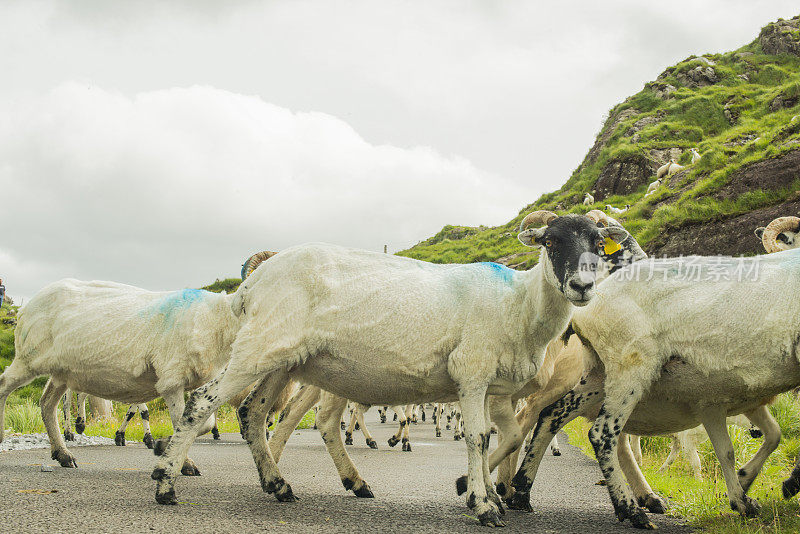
{"x":571,"y":245}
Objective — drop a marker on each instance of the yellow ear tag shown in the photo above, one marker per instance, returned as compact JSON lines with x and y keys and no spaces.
{"x":611,"y":246}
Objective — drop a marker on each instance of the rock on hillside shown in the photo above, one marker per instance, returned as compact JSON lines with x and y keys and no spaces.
{"x":781,"y":37}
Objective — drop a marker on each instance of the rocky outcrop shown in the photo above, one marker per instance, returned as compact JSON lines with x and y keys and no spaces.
{"x":772,"y":173}
{"x":611,"y":124}
{"x":781,"y":37}
{"x":623,"y":176}
{"x":783,"y":101}
{"x":698,"y":77}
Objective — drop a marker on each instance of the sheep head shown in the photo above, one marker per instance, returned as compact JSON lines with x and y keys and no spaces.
{"x":780,"y":234}
{"x":571,"y":245}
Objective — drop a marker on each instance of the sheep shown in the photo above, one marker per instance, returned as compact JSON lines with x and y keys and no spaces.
{"x":667,"y":351}
{"x":379,"y":328}
{"x":118,"y":342}
{"x":617,"y":211}
{"x":588,"y":200}
{"x":674,"y":167}
{"x":695,"y":155}
{"x":663,"y":170}
{"x":652,"y":187}
{"x":689,"y":440}
{"x":780,"y":234}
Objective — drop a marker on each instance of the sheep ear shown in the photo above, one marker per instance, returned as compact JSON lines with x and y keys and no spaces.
{"x":531,"y":236}
{"x":615,"y":233}
{"x":759,"y":232}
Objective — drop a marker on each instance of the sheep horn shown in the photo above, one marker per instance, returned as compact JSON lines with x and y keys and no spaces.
{"x":770,"y":236}
{"x":254,"y":261}
{"x":598,"y":217}
{"x":537,"y":218}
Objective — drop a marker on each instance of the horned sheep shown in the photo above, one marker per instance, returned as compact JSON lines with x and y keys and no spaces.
{"x":667,"y":352}
{"x":340,"y":319}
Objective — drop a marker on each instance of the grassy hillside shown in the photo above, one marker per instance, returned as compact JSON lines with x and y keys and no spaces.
{"x":740,"y":109}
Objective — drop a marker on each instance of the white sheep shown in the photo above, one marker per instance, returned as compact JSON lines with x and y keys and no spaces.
{"x":667,"y":351}
{"x":652,"y":188}
{"x":401,"y":330}
{"x":674,"y":167}
{"x":118,"y":342}
{"x":664,"y":169}
{"x":617,"y":211}
{"x":588,"y":200}
{"x":695,"y":155}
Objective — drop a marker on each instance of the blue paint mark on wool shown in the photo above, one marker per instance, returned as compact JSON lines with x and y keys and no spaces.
{"x":177,"y":301}
{"x":501,"y":271}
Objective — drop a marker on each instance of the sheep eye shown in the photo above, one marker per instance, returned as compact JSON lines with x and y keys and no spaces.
{"x":601,"y":243}
{"x":548,"y":243}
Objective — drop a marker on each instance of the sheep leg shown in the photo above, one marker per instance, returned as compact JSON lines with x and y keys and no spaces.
{"x":331,"y":409}
{"x":437,"y":415}
{"x":360,"y":410}
{"x":16,"y":375}
{"x":253,"y":414}
{"x":714,"y":422}
{"x":147,"y":439}
{"x":175,"y":405}
{"x":67,"y":407}
{"x":585,"y":398}
{"x":636,"y":447}
{"x":406,"y":443}
{"x":80,"y":420}
{"x":119,"y":436}
{"x":202,"y":403}
{"x":400,"y":413}
{"x":644,"y":494}
{"x":763,"y":419}
{"x":348,"y":434}
{"x":554,"y":450}
{"x":689,"y":445}
{"x":675,"y":449}
{"x":51,"y":396}
{"x":291,"y":416}
{"x":476,"y":434}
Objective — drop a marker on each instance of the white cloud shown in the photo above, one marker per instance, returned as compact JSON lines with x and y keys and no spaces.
{"x":178,"y":186}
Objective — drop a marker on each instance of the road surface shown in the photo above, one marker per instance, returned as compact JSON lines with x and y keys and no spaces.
{"x":111,"y":491}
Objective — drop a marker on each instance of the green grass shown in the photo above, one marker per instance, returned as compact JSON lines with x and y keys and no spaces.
{"x":704,"y":503}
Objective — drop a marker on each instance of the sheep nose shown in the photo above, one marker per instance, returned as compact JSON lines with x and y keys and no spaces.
{"x":579,"y":287}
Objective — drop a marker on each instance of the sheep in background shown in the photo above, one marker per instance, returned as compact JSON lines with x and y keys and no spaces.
{"x":588,"y":200}
{"x":459,"y":348}
{"x":617,"y":211}
{"x":695,"y":155}
{"x":664,"y":169}
{"x":674,"y":167}
{"x":652,"y":187}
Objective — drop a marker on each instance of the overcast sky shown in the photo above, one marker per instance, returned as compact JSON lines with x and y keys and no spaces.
{"x":160,"y":143}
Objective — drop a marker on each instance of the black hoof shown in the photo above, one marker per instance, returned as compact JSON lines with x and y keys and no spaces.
{"x":160,"y":446}
{"x":756,"y":433}
{"x":80,"y":426}
{"x":364,"y":492}
{"x":215,"y":433}
{"x":190,"y":470}
{"x":358,"y":427}
{"x":491,"y":519}
{"x":493,"y":431}
{"x":461,"y":485}
{"x":159,"y":473}
{"x":790,"y":487}
{"x":447,"y":426}
{"x":423,"y":417}
{"x":383,"y":418}
{"x":69,"y":436}
{"x":654,"y":504}
{"x":166,"y":498}
{"x":394,"y":418}
{"x":148,"y":441}
{"x":406,"y":446}
{"x":456,"y":437}
{"x":285,"y":494}
{"x":119,"y":439}
{"x":438,"y":433}
{"x":519,"y":501}
{"x":393,"y":441}
{"x":556,"y":452}
{"x":64,"y":458}
{"x":372,"y":444}
{"x":348,"y":438}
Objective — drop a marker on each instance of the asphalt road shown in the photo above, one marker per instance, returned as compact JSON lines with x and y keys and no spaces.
{"x":111,"y":491}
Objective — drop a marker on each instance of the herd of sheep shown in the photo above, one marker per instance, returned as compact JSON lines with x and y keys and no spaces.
{"x":595,"y":329}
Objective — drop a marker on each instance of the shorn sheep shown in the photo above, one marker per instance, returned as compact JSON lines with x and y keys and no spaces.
{"x":667,"y":351}
{"x":588,"y":200}
{"x":378,"y":328}
{"x":121,"y":343}
{"x":652,"y":187}
{"x":617,"y":211}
